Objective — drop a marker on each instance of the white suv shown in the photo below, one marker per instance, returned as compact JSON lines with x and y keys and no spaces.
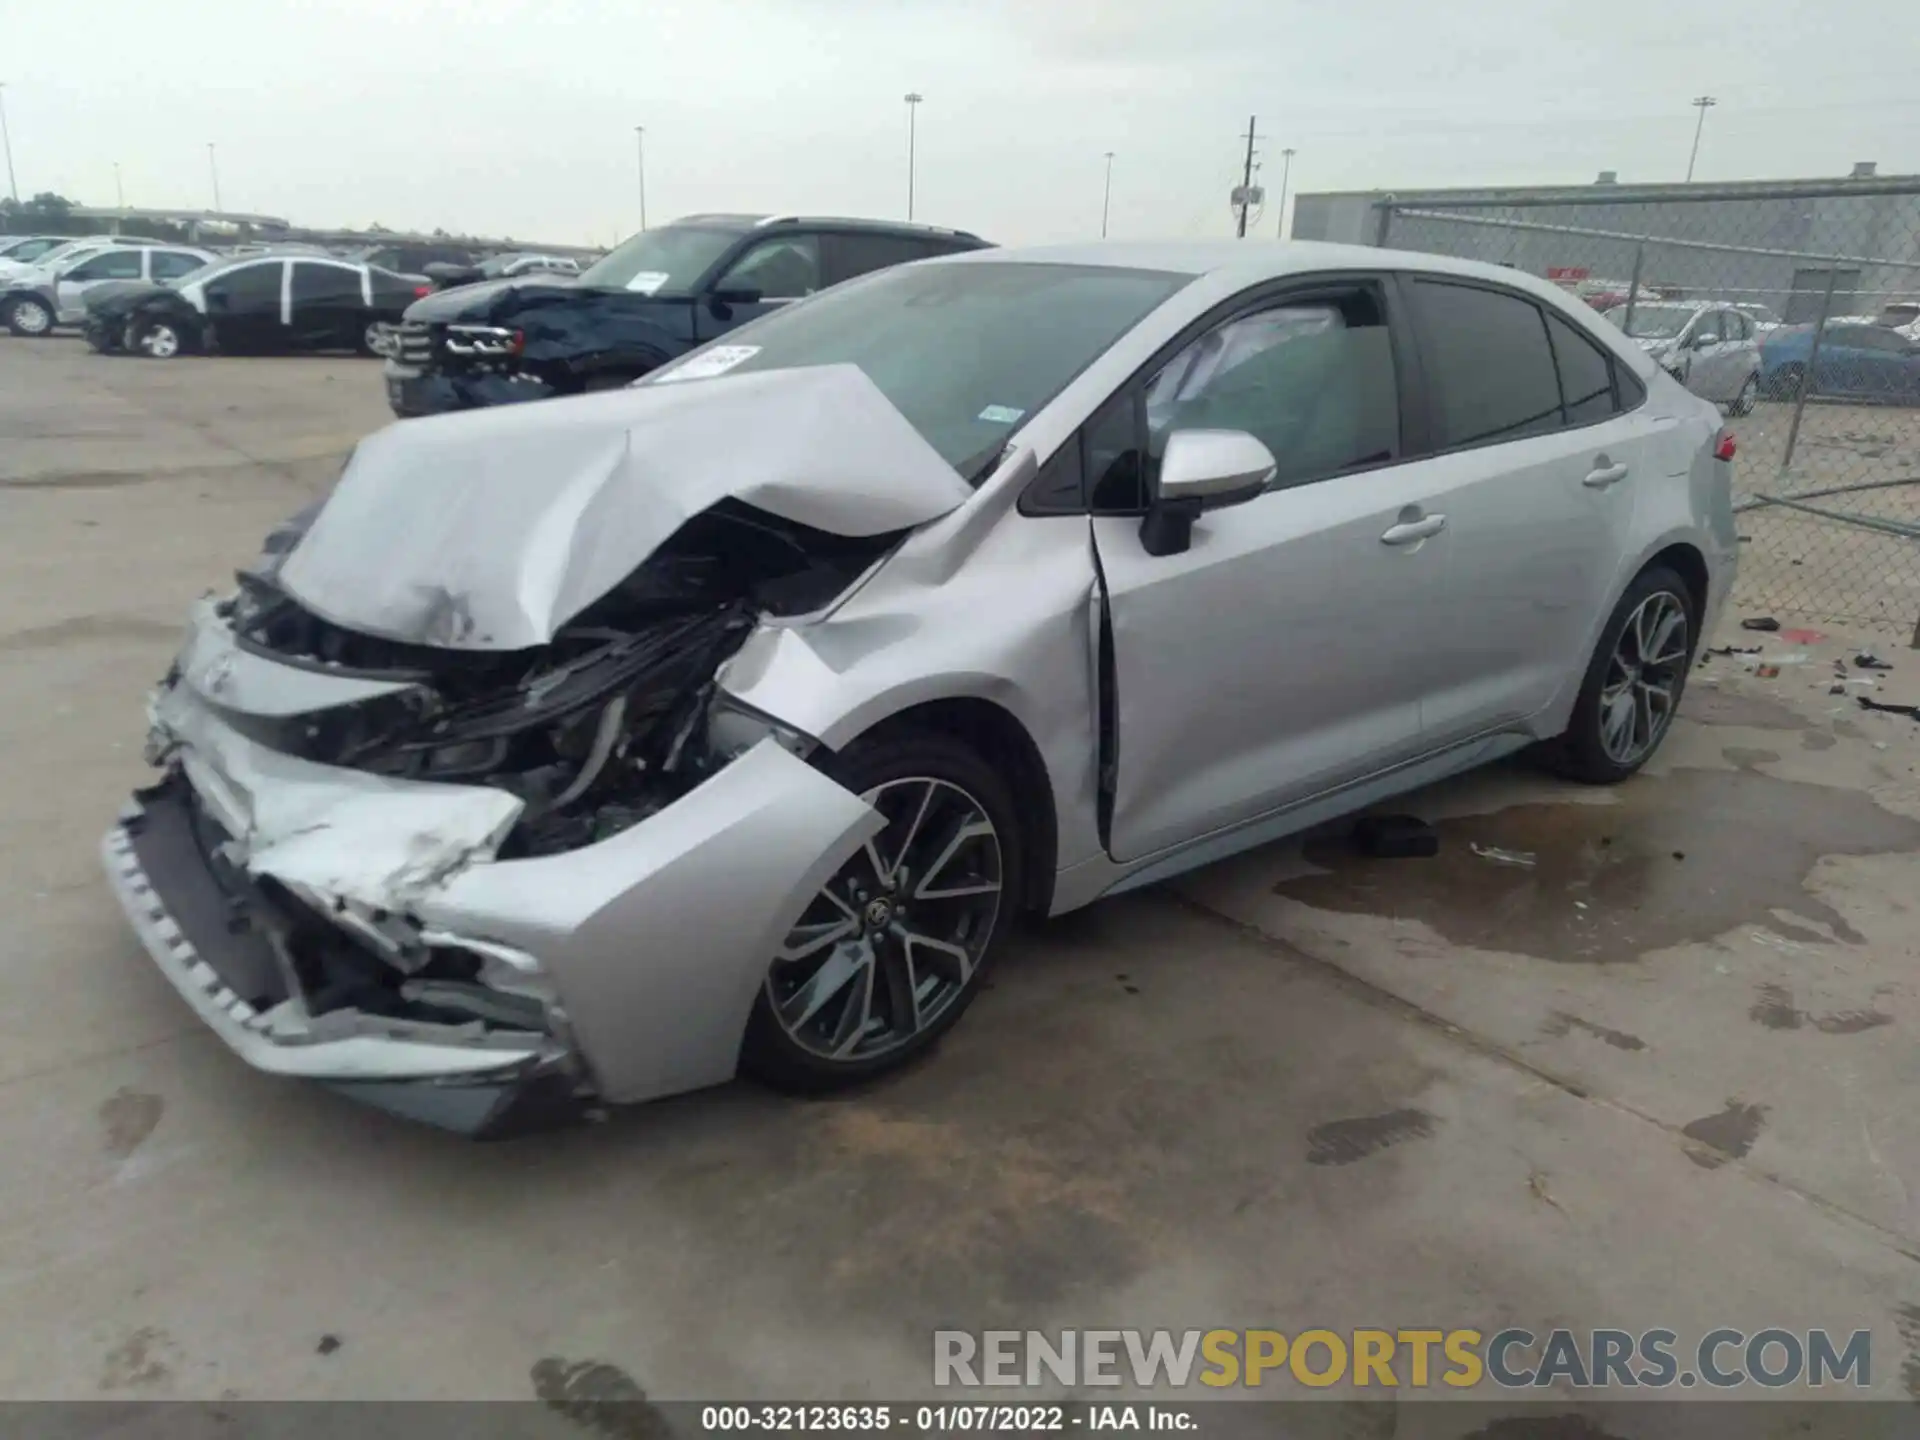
{"x":34,"y":302}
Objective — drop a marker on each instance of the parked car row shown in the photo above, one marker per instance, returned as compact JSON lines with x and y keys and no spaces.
{"x":1712,"y":349}
{"x":663,"y":292}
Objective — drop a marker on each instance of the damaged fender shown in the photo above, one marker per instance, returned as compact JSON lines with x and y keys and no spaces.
{"x":659,"y":938}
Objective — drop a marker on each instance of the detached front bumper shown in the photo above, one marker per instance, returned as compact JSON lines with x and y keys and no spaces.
{"x":218,"y":945}
{"x":360,"y":930}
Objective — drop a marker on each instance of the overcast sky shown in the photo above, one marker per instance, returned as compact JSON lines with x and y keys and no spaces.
{"x":516,"y":116}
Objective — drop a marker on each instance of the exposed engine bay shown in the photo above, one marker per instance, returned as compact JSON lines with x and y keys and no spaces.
{"x":595,"y":731}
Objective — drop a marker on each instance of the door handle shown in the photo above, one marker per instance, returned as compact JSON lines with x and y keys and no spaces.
{"x":1604,"y":476}
{"x":1408,"y":532}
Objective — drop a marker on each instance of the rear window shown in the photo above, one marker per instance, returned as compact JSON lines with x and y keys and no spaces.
{"x":1492,"y":367}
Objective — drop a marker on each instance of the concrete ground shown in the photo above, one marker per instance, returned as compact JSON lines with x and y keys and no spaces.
{"x":1626,"y":1058}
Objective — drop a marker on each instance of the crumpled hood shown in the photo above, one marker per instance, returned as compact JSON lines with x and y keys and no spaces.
{"x":490,"y":529}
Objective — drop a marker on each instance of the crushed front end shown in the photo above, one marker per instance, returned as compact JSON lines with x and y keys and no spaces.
{"x":480,"y":888}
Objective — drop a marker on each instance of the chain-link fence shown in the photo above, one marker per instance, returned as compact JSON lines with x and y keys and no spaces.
{"x":1795,"y":307}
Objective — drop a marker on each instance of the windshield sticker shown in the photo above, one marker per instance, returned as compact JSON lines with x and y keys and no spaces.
{"x":1001,"y":414}
{"x":709,"y":363}
{"x":648,"y":281}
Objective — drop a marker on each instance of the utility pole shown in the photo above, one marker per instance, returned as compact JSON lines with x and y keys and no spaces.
{"x":1246,"y":181}
{"x":119,"y":195}
{"x":213,"y":169}
{"x":1286,"y":173}
{"x":1106,"y":199}
{"x":914,"y":97}
{"x":640,"y":154}
{"x":13,"y":187}
{"x":1702,"y":103}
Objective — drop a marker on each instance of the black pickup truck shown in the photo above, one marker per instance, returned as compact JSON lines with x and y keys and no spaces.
{"x":655,"y":297}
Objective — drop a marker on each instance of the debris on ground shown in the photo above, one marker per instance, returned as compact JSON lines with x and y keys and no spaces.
{"x":1733,"y":650}
{"x":1394,"y":837}
{"x":1836,"y":689}
{"x":1912,"y":712}
{"x":1767,"y":672}
{"x":1760,"y":622}
{"x":1803,"y":637}
{"x":1519,"y":859}
{"x":1867,"y":660}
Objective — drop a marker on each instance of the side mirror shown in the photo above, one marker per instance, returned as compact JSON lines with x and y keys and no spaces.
{"x":1202,"y":470}
{"x":734,"y":295}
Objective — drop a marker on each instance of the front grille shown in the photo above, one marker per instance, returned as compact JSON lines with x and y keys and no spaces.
{"x":413,"y":343}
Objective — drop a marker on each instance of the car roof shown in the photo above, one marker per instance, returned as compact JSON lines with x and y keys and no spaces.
{"x":730,"y":221}
{"x":1240,"y":263}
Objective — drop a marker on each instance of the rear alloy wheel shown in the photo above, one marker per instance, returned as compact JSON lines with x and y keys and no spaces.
{"x":1743,"y":402}
{"x":157,"y":341}
{"x":1633,"y":684}
{"x":373,"y":340}
{"x":29,"y":317}
{"x":892,"y":949}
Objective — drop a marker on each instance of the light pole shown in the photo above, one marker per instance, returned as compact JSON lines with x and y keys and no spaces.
{"x":1286,"y":173}
{"x":914,"y":97}
{"x":1702,"y":103}
{"x":640,"y":154}
{"x":213,"y":169}
{"x":6,"y":140}
{"x":1106,"y":199}
{"x":119,"y":195}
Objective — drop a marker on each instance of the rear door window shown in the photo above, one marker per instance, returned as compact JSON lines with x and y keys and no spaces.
{"x":172,"y":264}
{"x":1489,"y":364}
{"x":845,"y":256}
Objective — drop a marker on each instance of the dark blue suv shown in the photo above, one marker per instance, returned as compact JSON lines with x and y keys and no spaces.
{"x":652,"y":299}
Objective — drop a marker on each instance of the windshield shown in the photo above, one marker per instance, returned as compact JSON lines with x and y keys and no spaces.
{"x":29,"y":250}
{"x":965,"y":351}
{"x":1761,"y":313}
{"x":1901,"y":312}
{"x":60,"y":254}
{"x":661,"y":262}
{"x":1653,"y":322}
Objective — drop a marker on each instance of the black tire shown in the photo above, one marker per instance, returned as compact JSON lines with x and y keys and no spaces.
{"x":19,"y":321}
{"x":1743,"y":402}
{"x":1580,"y":753}
{"x":773,"y":1056}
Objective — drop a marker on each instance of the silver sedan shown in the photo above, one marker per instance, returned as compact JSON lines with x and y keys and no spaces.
{"x":589,"y":752}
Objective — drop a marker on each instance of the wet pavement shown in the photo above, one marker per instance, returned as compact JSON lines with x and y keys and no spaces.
{"x":1627,"y":1057}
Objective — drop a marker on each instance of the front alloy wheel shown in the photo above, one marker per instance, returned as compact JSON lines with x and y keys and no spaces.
{"x":888,"y":955}
{"x":160,"y":341}
{"x":893,"y":941}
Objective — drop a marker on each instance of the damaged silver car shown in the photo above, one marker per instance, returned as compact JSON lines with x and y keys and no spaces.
{"x":590,"y":752}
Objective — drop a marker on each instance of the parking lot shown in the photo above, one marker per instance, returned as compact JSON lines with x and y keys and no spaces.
{"x":1647,"y":1063}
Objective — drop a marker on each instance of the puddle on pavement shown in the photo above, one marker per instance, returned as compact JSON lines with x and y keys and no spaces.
{"x":1683,"y":857}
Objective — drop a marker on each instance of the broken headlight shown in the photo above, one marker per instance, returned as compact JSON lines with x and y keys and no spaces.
{"x":494,"y":341}
{"x":735,"y":727}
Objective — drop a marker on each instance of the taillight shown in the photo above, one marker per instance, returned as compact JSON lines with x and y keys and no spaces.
{"x":420,"y":292}
{"x":1724,"y":448}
